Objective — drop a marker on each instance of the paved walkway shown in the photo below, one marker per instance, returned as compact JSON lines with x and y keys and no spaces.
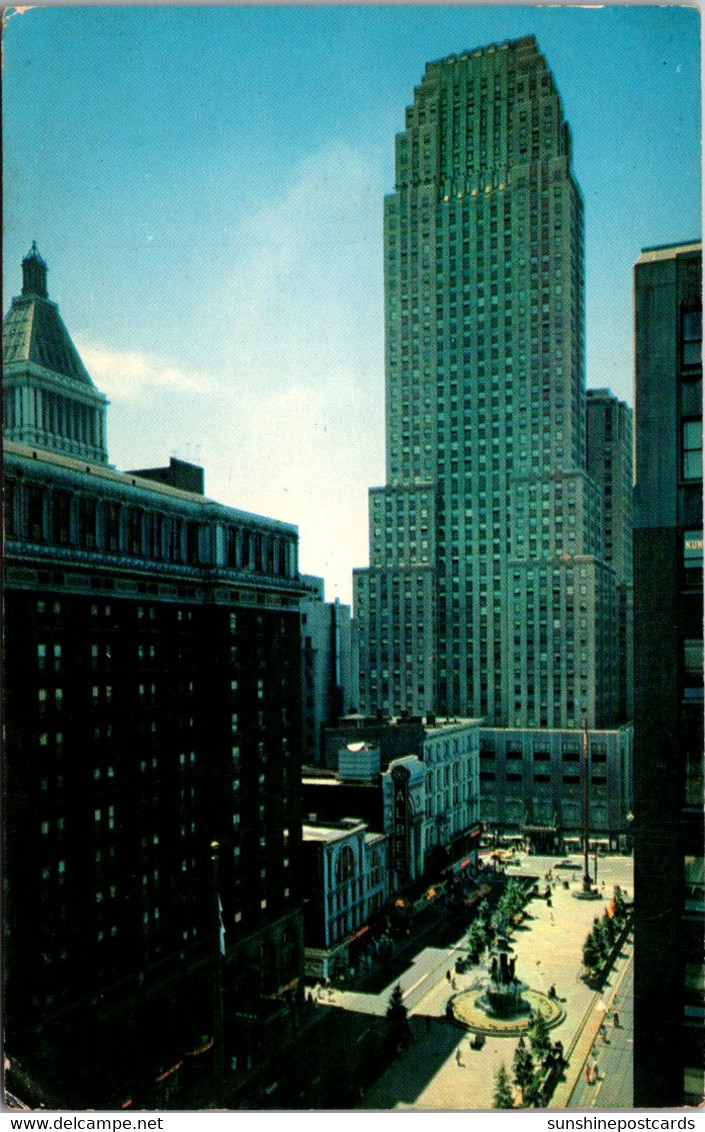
{"x":440,"y":1071}
{"x":614,"y":1088}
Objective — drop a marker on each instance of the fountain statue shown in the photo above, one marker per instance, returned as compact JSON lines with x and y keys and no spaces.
{"x":503,"y":997}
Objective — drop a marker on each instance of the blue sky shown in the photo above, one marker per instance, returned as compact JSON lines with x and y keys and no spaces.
{"x":206,"y":186}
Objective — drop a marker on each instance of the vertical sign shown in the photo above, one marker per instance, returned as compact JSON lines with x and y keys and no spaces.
{"x":400,"y":822}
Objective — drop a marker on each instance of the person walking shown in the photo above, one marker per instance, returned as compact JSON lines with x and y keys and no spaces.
{"x":458,"y":1060}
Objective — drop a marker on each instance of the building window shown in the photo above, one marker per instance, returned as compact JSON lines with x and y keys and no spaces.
{"x":693,"y":668}
{"x":692,"y":338}
{"x":694,"y":869}
{"x":693,"y":449}
{"x":693,"y":557}
{"x":345,"y":866}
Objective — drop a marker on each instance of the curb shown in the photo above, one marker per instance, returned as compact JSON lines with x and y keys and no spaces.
{"x":584,"y":1040}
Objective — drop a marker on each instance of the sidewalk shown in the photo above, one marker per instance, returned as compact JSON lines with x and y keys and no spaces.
{"x":589,"y":1032}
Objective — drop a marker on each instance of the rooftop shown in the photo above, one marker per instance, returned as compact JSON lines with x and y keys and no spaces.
{"x":100,"y":474}
{"x":34,"y":331}
{"x":668,"y":251}
{"x":331,"y":830}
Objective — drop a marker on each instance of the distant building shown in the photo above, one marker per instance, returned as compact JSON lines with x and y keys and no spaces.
{"x":327,"y":797}
{"x":532,"y":783}
{"x":427,"y":800}
{"x":487,"y":593}
{"x":152,"y":707}
{"x":345,"y":881}
{"x":669,"y":1014}
{"x":179,"y":473}
{"x":327,"y":665}
{"x":393,"y":737}
{"x":610,"y":464}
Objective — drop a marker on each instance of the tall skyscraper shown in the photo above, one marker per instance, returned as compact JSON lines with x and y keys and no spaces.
{"x":610,"y":463}
{"x":487,"y":593}
{"x":669,"y":854}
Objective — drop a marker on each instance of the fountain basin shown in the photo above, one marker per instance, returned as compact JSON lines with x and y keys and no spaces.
{"x":470,"y":1009}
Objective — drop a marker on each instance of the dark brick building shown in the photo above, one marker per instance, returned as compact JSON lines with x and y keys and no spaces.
{"x":668,"y":680}
{"x":152,"y":706}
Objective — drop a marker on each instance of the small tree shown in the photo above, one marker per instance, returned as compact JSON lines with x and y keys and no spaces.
{"x":482,"y":920}
{"x":515,"y":897}
{"x":609,"y":930}
{"x":396,"y":1011}
{"x":539,"y":1036}
{"x":532,"y":1096}
{"x":502,"y":1097}
{"x":475,"y":940}
{"x":397,"y":1018}
{"x":602,"y":938}
{"x":523,"y":1067}
{"x":591,"y":952}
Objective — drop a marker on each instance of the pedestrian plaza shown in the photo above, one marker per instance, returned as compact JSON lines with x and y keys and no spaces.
{"x":441,"y":1070}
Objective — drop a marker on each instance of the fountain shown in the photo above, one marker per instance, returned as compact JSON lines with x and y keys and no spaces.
{"x":504,"y":994}
{"x":501,"y":1005}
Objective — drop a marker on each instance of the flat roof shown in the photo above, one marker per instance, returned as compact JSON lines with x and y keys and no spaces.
{"x":330,"y":831}
{"x":109,"y":474}
{"x":668,"y":251}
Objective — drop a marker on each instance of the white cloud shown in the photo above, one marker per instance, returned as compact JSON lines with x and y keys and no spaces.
{"x":130,"y":375}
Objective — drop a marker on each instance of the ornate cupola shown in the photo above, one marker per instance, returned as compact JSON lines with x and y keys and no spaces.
{"x":34,"y":273}
{"x":49,"y":400}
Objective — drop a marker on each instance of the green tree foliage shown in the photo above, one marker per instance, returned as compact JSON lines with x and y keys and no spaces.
{"x":502,"y":1096}
{"x":511,"y":902}
{"x":609,"y":930}
{"x":484,"y":931}
{"x":602,"y":937}
{"x":398,"y":1031}
{"x":524,"y":1073}
{"x":591,"y":952}
{"x":396,"y":1011}
{"x":539,"y":1036}
{"x":476,"y":940}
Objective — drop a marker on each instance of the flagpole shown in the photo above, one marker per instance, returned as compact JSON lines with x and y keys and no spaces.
{"x":218,"y":951}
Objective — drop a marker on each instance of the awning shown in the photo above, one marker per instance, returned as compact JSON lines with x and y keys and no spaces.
{"x":201,"y":1049}
{"x":357,"y":934}
{"x":168,"y":1072}
{"x":291,"y":985}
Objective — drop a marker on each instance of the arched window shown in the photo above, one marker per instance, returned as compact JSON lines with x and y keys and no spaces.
{"x":345,"y":866}
{"x":374,"y":867}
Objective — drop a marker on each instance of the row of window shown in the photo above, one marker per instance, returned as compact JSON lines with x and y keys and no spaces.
{"x":89,"y":523}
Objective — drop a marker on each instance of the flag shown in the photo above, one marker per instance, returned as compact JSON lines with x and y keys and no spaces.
{"x":221,"y":926}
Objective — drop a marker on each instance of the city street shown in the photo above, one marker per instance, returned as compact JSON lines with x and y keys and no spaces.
{"x":440,"y":1070}
{"x":614,"y":1088}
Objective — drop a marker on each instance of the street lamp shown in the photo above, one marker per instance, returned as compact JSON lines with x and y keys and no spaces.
{"x":630,"y":832}
{"x":218,"y":949}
